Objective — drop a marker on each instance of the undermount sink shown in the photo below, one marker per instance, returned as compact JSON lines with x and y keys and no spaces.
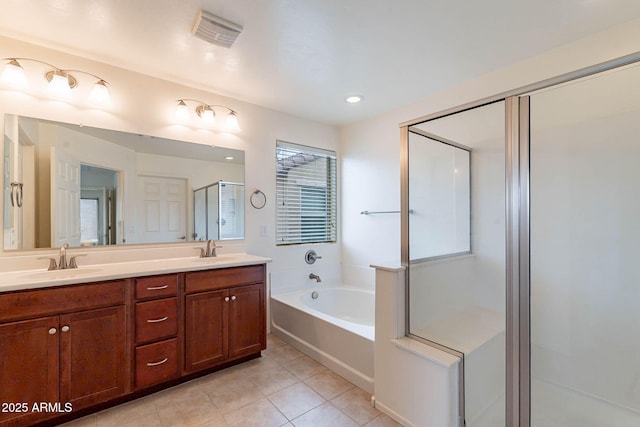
{"x":62,"y":274}
{"x":219,"y":258}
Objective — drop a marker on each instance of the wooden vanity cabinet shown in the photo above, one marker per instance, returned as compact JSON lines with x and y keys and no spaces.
{"x":96,"y":343}
{"x":156,"y":330}
{"x":62,"y":345}
{"x":225,"y":316}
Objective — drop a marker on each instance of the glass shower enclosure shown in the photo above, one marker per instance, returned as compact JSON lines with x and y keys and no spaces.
{"x":456,"y":179}
{"x":519,"y":236}
{"x":218,"y":211}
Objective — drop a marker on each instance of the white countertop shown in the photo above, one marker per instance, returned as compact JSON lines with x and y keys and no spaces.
{"x":34,"y":279}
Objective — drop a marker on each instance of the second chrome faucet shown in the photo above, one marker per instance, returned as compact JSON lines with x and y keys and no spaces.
{"x":315,"y":277}
{"x":209,"y":250}
{"x":62,"y":263}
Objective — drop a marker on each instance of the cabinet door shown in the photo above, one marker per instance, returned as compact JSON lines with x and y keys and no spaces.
{"x":206,"y":331}
{"x":93,"y":357}
{"x":246,"y":320}
{"x":29,"y":367}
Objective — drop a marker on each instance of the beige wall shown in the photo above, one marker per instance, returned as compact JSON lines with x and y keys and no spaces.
{"x":146,"y":105}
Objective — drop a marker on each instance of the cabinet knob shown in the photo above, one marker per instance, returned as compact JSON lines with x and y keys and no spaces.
{"x":52,"y":331}
{"x":65,"y":328}
{"x":226,"y":299}
{"x":233,"y":298}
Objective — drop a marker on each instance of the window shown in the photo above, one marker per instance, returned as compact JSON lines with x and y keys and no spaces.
{"x":89,"y":221}
{"x":306,"y":187}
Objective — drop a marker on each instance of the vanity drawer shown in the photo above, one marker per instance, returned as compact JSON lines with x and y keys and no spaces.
{"x":224,"y":278}
{"x":156,"y":362}
{"x":156,"y":319}
{"x":157,"y":286}
{"x":63,"y":299}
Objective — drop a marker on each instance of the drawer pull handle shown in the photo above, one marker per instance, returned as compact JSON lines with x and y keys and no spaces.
{"x":158,"y":363}
{"x":162,"y":319}
{"x":157,"y":288}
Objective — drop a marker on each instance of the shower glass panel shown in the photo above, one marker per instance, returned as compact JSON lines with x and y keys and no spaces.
{"x":457,"y":249}
{"x":213,"y":212}
{"x":442,"y":206}
{"x":219,"y":211}
{"x":585,"y":274}
{"x":231,"y":197}
{"x":200,"y":214}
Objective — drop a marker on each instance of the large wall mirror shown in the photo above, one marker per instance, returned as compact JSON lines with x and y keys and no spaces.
{"x":86,"y":186}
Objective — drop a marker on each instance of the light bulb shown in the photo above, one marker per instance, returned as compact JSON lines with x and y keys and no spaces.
{"x":232,"y":122}
{"x":208,"y":116}
{"x":13,"y":75}
{"x":59,"y":85}
{"x":182,"y":111}
{"x":100,"y":94}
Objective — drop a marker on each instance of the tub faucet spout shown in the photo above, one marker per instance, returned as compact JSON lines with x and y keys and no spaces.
{"x":315,"y":277}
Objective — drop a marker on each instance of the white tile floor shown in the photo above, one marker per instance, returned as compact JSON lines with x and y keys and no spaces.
{"x":282,"y":388}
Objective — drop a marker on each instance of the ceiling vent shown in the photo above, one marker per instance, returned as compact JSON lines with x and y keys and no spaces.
{"x":216,"y":30}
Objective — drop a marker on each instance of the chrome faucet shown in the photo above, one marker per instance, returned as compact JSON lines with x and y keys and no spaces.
{"x":315,"y":277}
{"x":209,"y":250}
{"x":62,"y":258}
{"x":62,"y":263}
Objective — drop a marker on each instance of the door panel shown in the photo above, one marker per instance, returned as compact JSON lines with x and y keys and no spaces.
{"x":29,"y":353}
{"x":162,"y":208}
{"x":206,"y":329}
{"x":92,"y":356}
{"x":246,"y":320}
{"x":65,"y":198}
{"x":585,"y":276}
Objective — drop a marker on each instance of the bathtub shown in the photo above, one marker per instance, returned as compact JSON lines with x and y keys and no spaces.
{"x":332,"y":324}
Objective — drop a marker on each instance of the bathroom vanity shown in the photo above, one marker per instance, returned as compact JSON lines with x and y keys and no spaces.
{"x":83,"y":340}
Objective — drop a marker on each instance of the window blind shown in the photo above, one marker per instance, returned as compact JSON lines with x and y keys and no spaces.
{"x":306,"y":194}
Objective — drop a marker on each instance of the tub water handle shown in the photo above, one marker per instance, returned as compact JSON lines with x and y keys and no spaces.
{"x":311,"y":256}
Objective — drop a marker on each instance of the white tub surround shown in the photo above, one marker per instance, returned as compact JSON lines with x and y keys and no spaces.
{"x":345,"y":306}
{"x":336,"y":328}
{"x":415,"y":384}
{"x":41,"y":278}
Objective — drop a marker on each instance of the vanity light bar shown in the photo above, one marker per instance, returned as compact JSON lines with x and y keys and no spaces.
{"x":61,"y":81}
{"x":207,"y":114}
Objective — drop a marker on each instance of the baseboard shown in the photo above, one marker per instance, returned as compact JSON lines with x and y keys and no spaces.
{"x":358,"y":378}
{"x":388,"y":411}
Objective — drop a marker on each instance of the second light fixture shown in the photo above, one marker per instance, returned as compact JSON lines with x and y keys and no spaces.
{"x":207,"y":114}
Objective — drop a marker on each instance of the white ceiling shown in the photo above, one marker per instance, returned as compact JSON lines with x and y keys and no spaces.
{"x":305,"y":56}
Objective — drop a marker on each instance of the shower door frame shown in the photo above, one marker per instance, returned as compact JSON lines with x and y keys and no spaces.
{"x":517,"y":210}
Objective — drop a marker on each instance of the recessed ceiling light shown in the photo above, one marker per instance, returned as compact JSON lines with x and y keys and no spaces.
{"x":354,"y":99}
{"x":229,"y":158}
